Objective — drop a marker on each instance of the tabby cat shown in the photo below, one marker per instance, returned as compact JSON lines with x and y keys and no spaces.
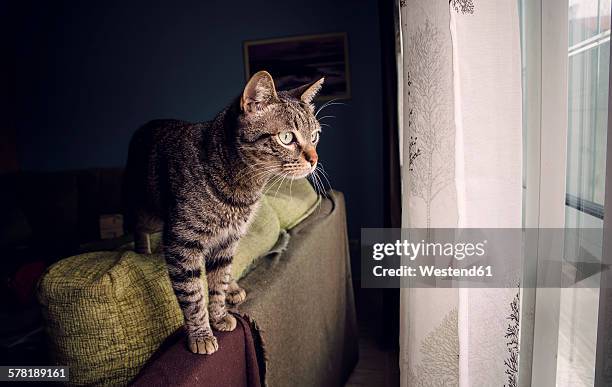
{"x":202,"y":183}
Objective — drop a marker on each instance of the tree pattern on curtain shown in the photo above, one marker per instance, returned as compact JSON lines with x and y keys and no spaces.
{"x":428,"y":125}
{"x":512,"y":337}
{"x":440,"y":350}
{"x":463,"y":6}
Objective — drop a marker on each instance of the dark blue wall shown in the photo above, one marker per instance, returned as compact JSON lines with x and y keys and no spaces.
{"x":88,"y":74}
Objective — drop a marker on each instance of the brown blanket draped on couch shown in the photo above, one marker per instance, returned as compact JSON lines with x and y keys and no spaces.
{"x":235,"y":364}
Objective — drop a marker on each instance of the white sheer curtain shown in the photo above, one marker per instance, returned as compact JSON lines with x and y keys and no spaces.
{"x":461,"y":167}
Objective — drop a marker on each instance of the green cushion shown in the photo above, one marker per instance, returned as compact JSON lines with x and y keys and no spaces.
{"x":292,"y":201}
{"x":261,"y":237}
{"x":107,"y":312}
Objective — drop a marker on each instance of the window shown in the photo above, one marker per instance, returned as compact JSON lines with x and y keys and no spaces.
{"x":588,"y":62}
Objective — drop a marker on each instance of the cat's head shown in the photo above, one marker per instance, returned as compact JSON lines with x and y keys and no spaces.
{"x":278,"y":131}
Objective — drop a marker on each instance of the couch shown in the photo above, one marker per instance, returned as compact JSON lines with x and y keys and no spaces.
{"x":300,"y":309}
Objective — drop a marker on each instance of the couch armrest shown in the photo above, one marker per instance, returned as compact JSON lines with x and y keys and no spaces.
{"x":234,"y":364}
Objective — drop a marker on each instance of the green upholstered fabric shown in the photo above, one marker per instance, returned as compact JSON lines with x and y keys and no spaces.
{"x":293,"y":201}
{"x":262,"y":236}
{"x":107,"y":312}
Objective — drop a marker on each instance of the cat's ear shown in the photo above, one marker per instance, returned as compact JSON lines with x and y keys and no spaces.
{"x":309,"y":91}
{"x":258,"y":92}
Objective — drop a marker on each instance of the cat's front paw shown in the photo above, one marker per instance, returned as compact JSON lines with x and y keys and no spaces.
{"x":236,"y":297}
{"x":226,"y":324}
{"x":204,"y":345}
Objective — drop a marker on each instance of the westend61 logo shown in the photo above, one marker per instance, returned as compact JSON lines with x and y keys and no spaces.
{"x":413,"y":250}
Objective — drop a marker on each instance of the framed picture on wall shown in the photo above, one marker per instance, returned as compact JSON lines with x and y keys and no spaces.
{"x":298,"y":60}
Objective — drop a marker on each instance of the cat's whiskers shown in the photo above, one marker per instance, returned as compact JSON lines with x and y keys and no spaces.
{"x":245,"y":171}
{"x":276,"y":180}
{"x":318,"y":189}
{"x":264,"y":177}
{"x":315,"y":181}
{"x":286,"y":171}
{"x":329,"y":103}
{"x":335,"y":102}
{"x":292,"y":169}
{"x":324,"y":174}
{"x":295,"y":166}
{"x":267,"y":168}
{"x":249,"y":168}
{"x":323,"y":106}
{"x":281,"y":183}
{"x":325,"y":192}
{"x":260,"y":175}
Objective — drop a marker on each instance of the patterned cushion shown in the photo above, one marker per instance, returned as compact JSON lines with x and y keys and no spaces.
{"x":107,"y":312}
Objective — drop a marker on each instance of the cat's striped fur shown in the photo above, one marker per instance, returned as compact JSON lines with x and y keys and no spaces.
{"x":201,"y":183}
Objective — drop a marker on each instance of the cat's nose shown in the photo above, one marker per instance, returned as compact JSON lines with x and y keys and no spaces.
{"x":311,"y":156}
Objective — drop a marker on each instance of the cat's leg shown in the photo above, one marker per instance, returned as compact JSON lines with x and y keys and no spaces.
{"x":235,"y":294}
{"x":142,"y":242}
{"x":146,"y":224}
{"x":218,"y":275}
{"x":183,"y":253}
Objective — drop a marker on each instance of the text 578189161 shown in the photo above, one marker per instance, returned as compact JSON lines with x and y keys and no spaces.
{"x":29,"y":373}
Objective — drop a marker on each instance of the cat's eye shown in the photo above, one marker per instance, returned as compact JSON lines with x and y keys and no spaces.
{"x":314,"y":136}
{"x":286,"y":137}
